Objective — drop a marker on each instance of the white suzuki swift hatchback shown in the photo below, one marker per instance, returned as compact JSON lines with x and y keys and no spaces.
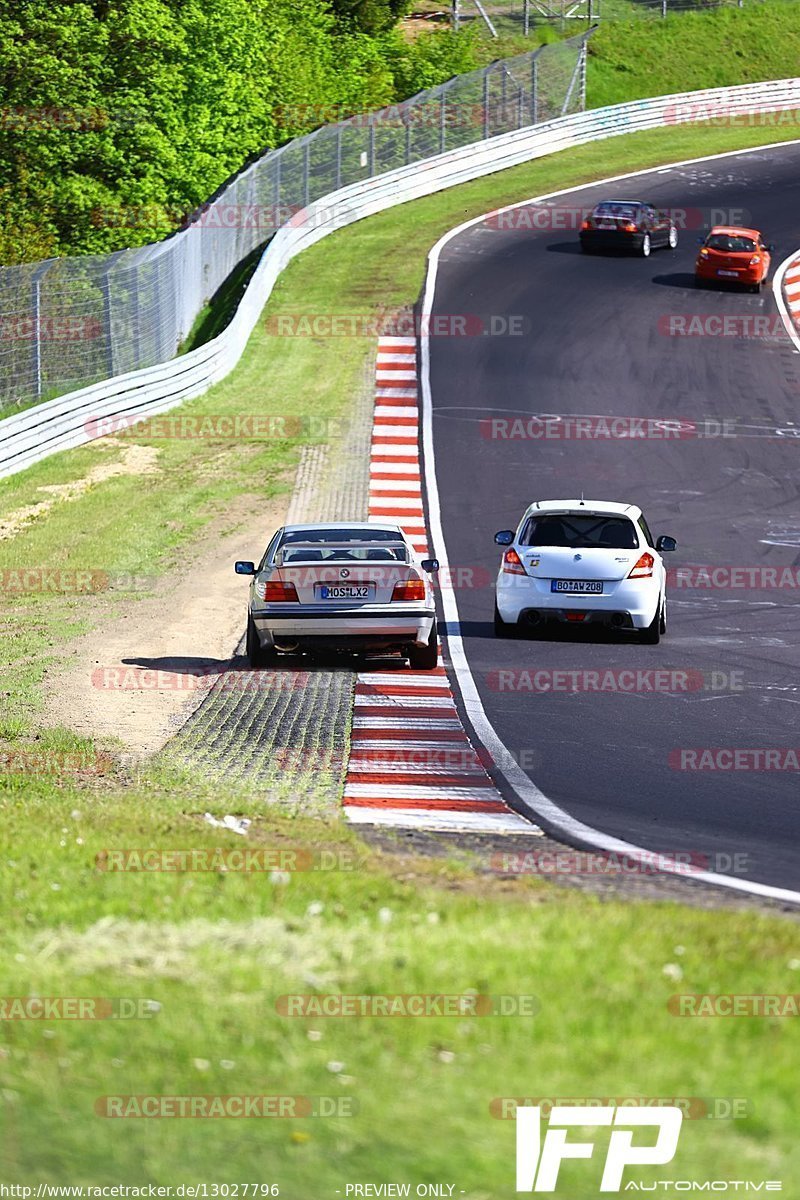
{"x":581,"y":562}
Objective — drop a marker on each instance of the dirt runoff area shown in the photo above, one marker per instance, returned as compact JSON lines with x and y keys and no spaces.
{"x":150,"y":661}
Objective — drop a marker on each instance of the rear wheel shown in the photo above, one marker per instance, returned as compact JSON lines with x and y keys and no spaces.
{"x":651,"y":636}
{"x":646,"y":246}
{"x":503,"y":629}
{"x":426,"y":658}
{"x":257,"y":656}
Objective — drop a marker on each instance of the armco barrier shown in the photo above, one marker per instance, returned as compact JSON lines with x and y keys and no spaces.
{"x":60,"y":424}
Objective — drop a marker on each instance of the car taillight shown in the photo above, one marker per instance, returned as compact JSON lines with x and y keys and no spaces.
{"x":587,"y":224}
{"x":274,"y":591}
{"x":643,"y":567}
{"x":409,"y":589}
{"x":512,"y":563}
{"x":629,"y":227}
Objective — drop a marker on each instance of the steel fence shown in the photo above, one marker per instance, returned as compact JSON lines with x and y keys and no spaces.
{"x":68,"y":322}
{"x":525,"y":16}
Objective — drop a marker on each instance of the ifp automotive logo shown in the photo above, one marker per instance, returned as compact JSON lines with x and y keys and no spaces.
{"x":539,"y":1160}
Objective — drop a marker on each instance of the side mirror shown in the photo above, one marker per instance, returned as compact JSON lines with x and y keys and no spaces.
{"x":505,"y":537}
{"x":666,"y":543}
{"x":244,"y":568}
{"x":771,"y":248}
{"x":701,"y":241}
{"x":430,"y":565}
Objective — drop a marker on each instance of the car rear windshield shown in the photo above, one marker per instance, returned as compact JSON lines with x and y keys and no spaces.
{"x":622,"y":212}
{"x":730,"y":243}
{"x":580,"y":532}
{"x":343,"y":545}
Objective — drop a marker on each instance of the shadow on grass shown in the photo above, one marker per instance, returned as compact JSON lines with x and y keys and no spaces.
{"x":216,"y":315}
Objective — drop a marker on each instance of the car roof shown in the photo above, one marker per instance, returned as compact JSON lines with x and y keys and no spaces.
{"x":611,"y":507}
{"x":736,"y":231}
{"x":366,"y":526}
{"x":618,"y":200}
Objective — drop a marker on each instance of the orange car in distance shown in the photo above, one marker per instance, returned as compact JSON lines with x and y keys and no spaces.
{"x":733,"y":255}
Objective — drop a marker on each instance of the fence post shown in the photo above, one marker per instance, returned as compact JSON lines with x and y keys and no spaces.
{"x":442,"y":121}
{"x":306,"y":172}
{"x":456,"y":15}
{"x":338,"y":157}
{"x":371,"y":160}
{"x":486,"y":104}
{"x":38,"y":276}
{"x":584,"y":56}
{"x":109,"y":333}
{"x":526,"y":17}
{"x":534,"y":85}
{"x":663,"y":8}
{"x":408,"y":139}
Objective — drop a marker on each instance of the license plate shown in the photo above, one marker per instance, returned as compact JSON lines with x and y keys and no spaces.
{"x":733,"y":274}
{"x":607,"y":224}
{"x":345,"y":591}
{"x":594,"y":586}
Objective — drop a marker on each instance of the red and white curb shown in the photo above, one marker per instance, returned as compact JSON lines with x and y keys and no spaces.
{"x":791,"y":290}
{"x":411,"y":762}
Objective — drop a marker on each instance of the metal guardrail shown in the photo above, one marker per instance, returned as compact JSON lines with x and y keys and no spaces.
{"x":66,"y":322}
{"x":76,"y":419}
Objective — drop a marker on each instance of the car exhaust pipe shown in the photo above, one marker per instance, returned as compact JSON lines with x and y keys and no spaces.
{"x":533,"y":618}
{"x":617,"y":620}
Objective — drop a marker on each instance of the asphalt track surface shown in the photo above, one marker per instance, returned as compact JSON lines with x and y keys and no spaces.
{"x":595,"y":342}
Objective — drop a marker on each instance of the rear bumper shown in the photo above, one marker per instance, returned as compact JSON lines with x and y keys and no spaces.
{"x":712,"y":275}
{"x":627,"y":602}
{"x":601,"y":239}
{"x":380,"y":626}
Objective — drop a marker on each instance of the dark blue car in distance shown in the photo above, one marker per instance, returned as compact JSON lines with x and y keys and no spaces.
{"x":629,"y":225}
